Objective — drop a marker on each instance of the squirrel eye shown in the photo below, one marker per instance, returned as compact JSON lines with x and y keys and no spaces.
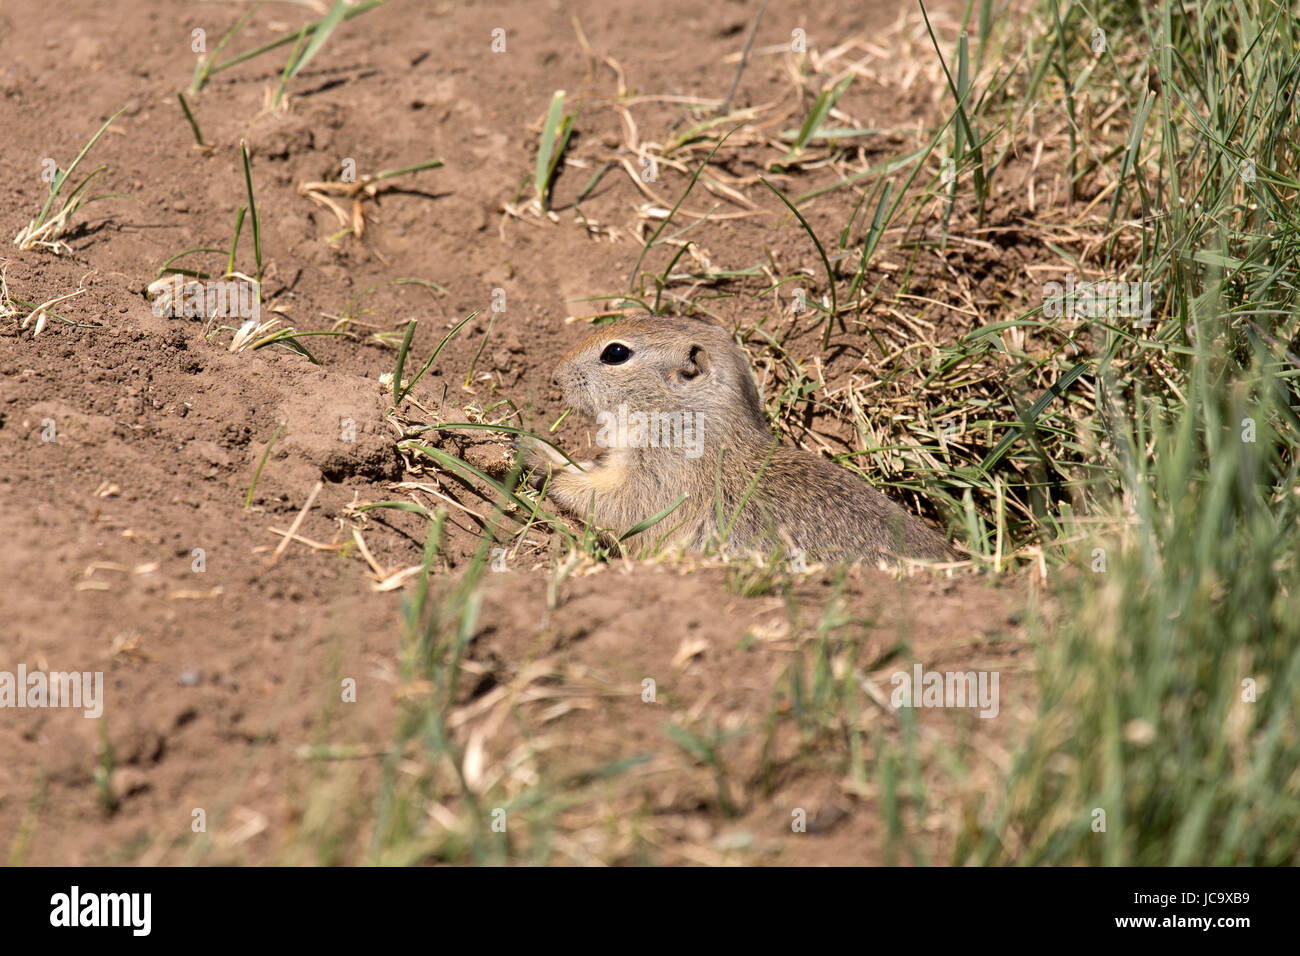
{"x":616,"y":353}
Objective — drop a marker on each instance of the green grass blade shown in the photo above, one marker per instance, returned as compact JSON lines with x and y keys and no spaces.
{"x":252,"y":210}
{"x":203,"y":68}
{"x":289,"y":38}
{"x":436,"y":352}
{"x":812,"y":125}
{"x":401,"y":362}
{"x":240,"y":213}
{"x":555,"y":136}
{"x":189,"y":115}
{"x":672,"y":212}
{"x":167,"y":266}
{"x":456,"y":464}
{"x":509,"y":429}
{"x":1056,"y":390}
{"x":647,"y":523}
{"x":266,"y":452}
{"x":324,"y":28}
{"x":830,"y":275}
{"x":61,"y":178}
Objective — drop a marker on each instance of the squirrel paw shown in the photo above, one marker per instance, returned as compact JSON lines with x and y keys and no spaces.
{"x":537,"y":459}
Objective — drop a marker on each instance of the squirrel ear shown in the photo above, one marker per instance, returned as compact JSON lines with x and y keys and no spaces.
{"x":697,"y":363}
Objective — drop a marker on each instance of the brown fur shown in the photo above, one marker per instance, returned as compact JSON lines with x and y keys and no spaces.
{"x":686,"y":366}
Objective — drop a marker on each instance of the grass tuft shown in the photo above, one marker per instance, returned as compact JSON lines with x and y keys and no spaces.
{"x":53,"y":221}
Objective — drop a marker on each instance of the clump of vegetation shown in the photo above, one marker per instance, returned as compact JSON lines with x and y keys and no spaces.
{"x":54,"y":220}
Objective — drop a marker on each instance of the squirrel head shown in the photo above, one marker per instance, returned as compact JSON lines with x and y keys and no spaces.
{"x":662,"y":364}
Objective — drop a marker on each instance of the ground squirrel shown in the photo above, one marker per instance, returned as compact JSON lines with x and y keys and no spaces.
{"x":679,"y":412}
